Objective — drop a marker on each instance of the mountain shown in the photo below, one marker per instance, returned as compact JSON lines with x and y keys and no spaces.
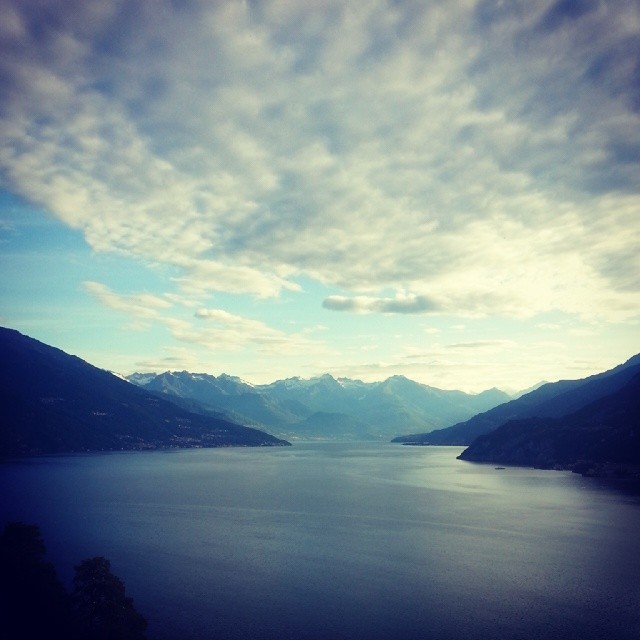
{"x":522,"y":392}
{"x":324,"y":407}
{"x":602,"y":438}
{"x":551,"y":400}
{"x":223,"y":394}
{"x":52,"y":402}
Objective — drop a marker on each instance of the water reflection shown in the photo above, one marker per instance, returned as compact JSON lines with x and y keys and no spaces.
{"x":343,"y":541}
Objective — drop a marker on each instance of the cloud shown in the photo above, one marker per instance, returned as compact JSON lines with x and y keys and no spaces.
{"x":476,"y":366}
{"x":482,"y":344}
{"x":223,"y":331}
{"x":226,"y":330}
{"x":363,"y":304}
{"x":239,"y":330}
{"x":205,"y":275}
{"x":482,"y":156}
{"x":176,"y":358}
{"x":140,"y":305}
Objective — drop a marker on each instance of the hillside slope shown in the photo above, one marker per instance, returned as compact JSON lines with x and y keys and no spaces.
{"x":52,"y":402}
{"x":548,"y":401}
{"x":602,"y":437}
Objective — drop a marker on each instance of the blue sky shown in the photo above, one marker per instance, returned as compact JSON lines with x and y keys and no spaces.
{"x":447,"y":190}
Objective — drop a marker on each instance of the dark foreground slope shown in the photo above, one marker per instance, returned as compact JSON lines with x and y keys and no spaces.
{"x":52,"y":402}
{"x":601,"y":438}
{"x":551,"y":400}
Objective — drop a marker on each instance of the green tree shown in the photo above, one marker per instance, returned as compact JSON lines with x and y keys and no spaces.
{"x":104,"y":611}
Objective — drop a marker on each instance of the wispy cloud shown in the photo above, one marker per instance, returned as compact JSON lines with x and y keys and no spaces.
{"x":140,"y":305}
{"x":478,"y":365}
{"x":215,"y":330}
{"x":230,"y":329}
{"x":225,"y":330}
{"x":364,"y":304}
{"x":482,"y":344}
{"x":483,"y":156}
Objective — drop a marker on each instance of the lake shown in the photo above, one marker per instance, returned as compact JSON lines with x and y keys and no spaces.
{"x":341,"y":542}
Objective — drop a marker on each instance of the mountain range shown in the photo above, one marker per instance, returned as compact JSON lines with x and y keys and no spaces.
{"x":551,"y":400}
{"x":52,"y":402}
{"x":322,"y":407}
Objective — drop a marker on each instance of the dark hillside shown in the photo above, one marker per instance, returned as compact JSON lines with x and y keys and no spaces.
{"x":603,"y":436}
{"x":550,"y":400}
{"x":53,"y":402}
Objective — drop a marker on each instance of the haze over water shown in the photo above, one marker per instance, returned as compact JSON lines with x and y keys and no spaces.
{"x":341,"y":541}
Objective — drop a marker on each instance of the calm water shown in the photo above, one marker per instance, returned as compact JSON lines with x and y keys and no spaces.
{"x":342,"y":541}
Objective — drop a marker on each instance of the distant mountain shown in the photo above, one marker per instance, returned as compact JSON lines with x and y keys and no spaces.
{"x":522,"y":392}
{"x":602,"y":438}
{"x":223,"y":394}
{"x":324,"y":407}
{"x":52,"y":402}
{"x":551,"y":400}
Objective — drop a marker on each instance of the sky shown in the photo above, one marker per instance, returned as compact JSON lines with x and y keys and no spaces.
{"x":446,"y":190}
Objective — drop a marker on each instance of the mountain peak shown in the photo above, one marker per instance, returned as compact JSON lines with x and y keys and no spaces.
{"x":377,"y":410}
